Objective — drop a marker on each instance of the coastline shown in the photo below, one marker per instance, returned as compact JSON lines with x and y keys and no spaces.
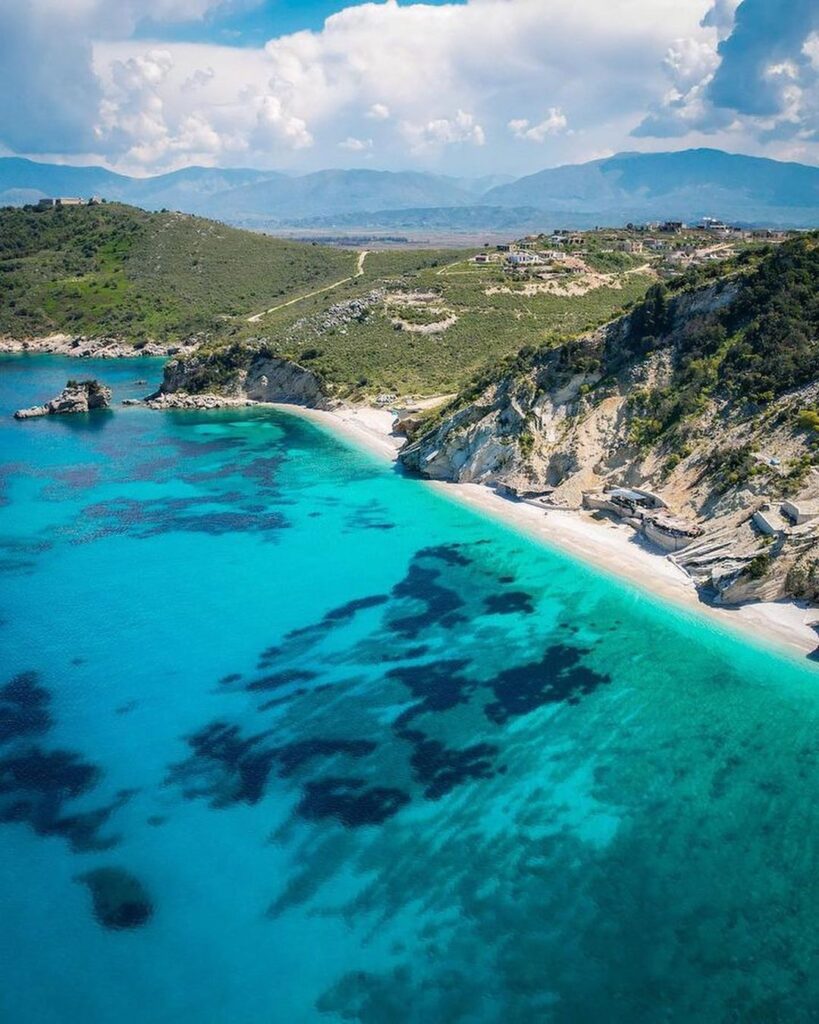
{"x":609,"y":547}
{"x":78,"y":347}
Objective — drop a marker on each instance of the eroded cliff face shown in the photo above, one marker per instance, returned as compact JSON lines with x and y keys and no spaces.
{"x":570,"y":425}
{"x":540,"y":429}
{"x":246,"y":377}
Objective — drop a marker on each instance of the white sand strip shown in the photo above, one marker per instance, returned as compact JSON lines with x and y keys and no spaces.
{"x":605,"y":545}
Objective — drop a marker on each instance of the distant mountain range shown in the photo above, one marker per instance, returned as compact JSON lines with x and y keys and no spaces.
{"x":686,"y":185}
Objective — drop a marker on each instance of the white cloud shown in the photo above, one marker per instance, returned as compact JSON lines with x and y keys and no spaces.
{"x":721,"y":17}
{"x":274,"y":122}
{"x":356,"y":145}
{"x":554,"y":123}
{"x":428,"y":85}
{"x":811,"y":49}
{"x":445,"y":131}
{"x":751,"y":82}
{"x":199,"y":78}
{"x":48,"y":44}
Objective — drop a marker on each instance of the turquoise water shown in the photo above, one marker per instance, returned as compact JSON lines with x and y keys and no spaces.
{"x":285,"y":737}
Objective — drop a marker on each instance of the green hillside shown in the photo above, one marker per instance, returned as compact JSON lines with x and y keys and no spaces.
{"x":403,"y":321}
{"x":115,"y":270}
{"x":431,"y":320}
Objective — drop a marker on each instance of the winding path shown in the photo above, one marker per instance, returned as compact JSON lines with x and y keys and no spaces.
{"x":319,"y":291}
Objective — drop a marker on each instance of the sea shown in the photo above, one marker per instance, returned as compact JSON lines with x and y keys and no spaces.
{"x":286,"y":736}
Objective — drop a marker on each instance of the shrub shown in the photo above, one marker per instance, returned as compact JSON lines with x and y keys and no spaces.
{"x":802,"y":581}
{"x":526,"y":443}
{"x":731,"y":465}
{"x":759,"y":567}
{"x":808,"y":419}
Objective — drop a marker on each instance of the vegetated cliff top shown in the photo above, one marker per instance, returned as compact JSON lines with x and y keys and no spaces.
{"x":110,"y":269}
{"x":753,"y":348}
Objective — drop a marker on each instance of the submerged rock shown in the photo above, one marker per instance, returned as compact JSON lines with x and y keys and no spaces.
{"x":76,"y":396}
{"x":119,"y":899}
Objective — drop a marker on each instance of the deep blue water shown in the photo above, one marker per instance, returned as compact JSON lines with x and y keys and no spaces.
{"x":285,"y":737}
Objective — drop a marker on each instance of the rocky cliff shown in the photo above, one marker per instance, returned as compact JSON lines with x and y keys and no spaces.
{"x":671,"y":398}
{"x":230,"y":376}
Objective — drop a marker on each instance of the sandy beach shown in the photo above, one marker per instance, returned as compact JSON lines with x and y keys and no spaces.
{"x":610,"y":547}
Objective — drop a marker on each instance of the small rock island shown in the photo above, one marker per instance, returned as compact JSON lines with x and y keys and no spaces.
{"x":76,"y":396}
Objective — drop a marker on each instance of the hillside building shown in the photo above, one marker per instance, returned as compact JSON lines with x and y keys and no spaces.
{"x":49,"y":203}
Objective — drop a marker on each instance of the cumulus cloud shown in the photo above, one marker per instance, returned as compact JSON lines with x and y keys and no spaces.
{"x":199,"y":78}
{"x":721,"y":17}
{"x":424,"y":81}
{"x":767,"y":34}
{"x":425,"y":84}
{"x":554,"y":123}
{"x":756,"y":78}
{"x":378,"y":112}
{"x":445,"y":131}
{"x":47,"y":45}
{"x":275,"y":123}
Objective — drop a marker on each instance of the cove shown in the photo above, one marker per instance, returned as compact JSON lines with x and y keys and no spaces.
{"x":285,"y":736}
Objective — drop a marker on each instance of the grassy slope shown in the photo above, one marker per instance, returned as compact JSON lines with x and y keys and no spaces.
{"x":371,"y":355}
{"x":113,"y":269}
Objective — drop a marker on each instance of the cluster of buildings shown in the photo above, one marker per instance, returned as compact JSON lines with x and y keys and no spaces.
{"x":531,"y":251}
{"x":674,"y":244}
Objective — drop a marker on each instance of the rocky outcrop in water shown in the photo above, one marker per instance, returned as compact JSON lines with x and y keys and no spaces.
{"x":76,"y":396}
{"x":182,"y":400}
{"x":120,"y":900}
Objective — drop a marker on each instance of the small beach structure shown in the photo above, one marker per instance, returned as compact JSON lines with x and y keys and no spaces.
{"x":519,"y":488}
{"x":646,"y":513}
{"x":770,"y":522}
{"x":669,"y":532}
{"x":623,"y":501}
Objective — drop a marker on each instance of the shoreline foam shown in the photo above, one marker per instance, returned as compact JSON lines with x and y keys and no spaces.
{"x":608,"y":547}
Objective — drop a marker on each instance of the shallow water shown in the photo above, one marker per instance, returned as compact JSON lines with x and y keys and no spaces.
{"x":286,"y":737}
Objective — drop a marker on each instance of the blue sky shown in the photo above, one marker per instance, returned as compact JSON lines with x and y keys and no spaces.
{"x":466,"y":87}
